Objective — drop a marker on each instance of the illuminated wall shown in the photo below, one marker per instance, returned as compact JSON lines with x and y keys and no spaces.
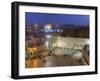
{"x":72,"y":43}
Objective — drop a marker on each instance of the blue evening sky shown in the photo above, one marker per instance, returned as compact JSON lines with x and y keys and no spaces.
{"x":57,"y":19}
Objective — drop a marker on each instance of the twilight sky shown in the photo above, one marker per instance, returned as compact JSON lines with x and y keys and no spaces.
{"x":57,"y":19}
